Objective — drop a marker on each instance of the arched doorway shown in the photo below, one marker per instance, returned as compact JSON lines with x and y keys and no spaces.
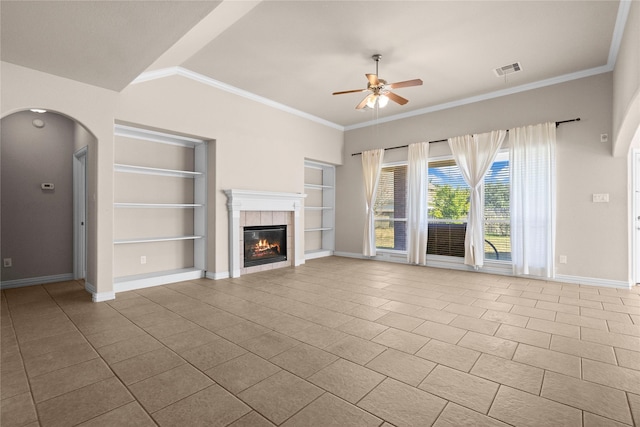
{"x":42,"y":154}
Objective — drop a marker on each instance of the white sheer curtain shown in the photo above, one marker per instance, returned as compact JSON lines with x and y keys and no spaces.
{"x":533,"y":199}
{"x":417,"y":212}
{"x":474,"y":155}
{"x":371,"y":165}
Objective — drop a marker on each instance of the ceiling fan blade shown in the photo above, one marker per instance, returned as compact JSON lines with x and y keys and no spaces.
{"x":407,"y":83}
{"x":349,"y":91}
{"x":373,"y":79}
{"x":363,"y":102}
{"x":397,"y":98}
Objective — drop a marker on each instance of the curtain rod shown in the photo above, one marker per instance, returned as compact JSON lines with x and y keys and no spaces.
{"x":445,"y":140}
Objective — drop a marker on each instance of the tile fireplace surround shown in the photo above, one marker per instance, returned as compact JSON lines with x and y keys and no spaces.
{"x":248,"y":207}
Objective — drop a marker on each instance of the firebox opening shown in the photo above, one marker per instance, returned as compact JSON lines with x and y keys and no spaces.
{"x":265,"y":244}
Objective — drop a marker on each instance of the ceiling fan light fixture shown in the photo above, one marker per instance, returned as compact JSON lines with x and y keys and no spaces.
{"x":371,"y":101}
{"x":383,"y":100}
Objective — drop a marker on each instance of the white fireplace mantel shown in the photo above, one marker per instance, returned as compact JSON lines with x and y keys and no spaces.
{"x":250,"y":200}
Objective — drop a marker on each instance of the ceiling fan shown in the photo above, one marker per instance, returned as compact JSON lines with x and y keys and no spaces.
{"x":380,"y":89}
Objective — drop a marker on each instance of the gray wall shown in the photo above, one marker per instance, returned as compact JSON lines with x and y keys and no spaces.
{"x":593,"y":236}
{"x":37,"y":225}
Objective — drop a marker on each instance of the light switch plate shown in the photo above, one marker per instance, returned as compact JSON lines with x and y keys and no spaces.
{"x":601,"y":198}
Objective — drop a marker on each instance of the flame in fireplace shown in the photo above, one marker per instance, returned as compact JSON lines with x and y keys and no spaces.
{"x":264,"y":245}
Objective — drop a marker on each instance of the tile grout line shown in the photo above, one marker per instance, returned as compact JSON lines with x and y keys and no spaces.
{"x":293,"y":297}
{"x":105,"y":362}
{"x":193,"y":366}
{"x":24,"y":368}
{"x":220,"y":385}
{"x":304,"y":379}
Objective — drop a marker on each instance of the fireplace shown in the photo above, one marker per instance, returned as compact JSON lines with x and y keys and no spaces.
{"x":249,"y":208}
{"x":265,"y":244}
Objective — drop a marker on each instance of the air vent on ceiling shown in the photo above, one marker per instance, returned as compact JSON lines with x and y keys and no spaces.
{"x":508,"y":69}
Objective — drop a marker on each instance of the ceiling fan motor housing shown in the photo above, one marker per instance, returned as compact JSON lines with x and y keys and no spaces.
{"x":379,"y":88}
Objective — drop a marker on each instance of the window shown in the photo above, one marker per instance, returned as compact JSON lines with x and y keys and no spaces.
{"x":497,"y":211}
{"x":448,"y":193}
{"x":448,"y":209}
{"x":449,"y":206}
{"x":390,"y":209}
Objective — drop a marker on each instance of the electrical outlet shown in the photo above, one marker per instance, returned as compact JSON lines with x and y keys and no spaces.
{"x":563,"y":259}
{"x":143,"y":259}
{"x":601,"y":198}
{"x":7,"y":262}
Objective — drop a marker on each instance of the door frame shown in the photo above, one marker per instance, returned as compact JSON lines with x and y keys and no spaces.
{"x":635,"y":219}
{"x":80,"y":213}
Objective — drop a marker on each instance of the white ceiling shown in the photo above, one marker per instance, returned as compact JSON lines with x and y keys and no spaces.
{"x":296,"y":53}
{"x":103,"y":43}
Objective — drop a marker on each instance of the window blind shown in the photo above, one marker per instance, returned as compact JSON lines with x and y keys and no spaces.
{"x":391,"y":208}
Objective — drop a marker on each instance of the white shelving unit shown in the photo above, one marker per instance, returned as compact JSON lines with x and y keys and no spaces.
{"x":158,"y":205}
{"x":155,"y":239}
{"x":156,"y":171}
{"x":319,"y":209}
{"x":185,"y":262}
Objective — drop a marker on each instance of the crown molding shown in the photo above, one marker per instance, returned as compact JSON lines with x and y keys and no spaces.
{"x":616,"y":40}
{"x":183,"y":72}
{"x":491,"y":95}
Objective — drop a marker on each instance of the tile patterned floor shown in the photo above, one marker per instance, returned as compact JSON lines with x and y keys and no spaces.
{"x":336,"y":341}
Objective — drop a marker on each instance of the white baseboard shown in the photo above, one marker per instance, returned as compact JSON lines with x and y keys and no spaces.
{"x":435,"y":261}
{"x":500,"y":268}
{"x":317,"y":254}
{"x":217,"y":276}
{"x":457,"y":263}
{"x":592,"y":281}
{"x":98,"y":296}
{"x":141,"y":281}
{"x":349,"y":255}
{"x":32,"y":281}
{"x":381,"y":256}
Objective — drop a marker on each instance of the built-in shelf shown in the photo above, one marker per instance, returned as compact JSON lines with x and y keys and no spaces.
{"x":158,"y":205}
{"x":155,"y":171}
{"x":155,"y":136}
{"x":316,"y":186}
{"x":319,"y":209}
{"x":152,"y":147}
{"x":155,"y":239}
